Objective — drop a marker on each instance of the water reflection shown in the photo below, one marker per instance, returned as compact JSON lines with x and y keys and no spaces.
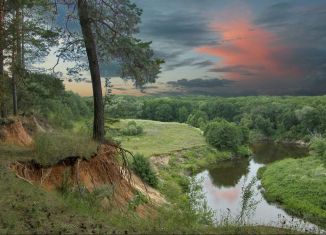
{"x":222,"y":186}
{"x":228,"y":173}
{"x":268,"y":152}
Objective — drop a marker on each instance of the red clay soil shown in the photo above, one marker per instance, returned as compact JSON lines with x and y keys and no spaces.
{"x":15,"y":133}
{"x":102,"y":169}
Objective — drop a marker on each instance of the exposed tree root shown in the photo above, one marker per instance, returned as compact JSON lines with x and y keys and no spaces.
{"x":104,"y":168}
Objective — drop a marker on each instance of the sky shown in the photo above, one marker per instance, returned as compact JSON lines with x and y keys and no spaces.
{"x":231,"y":48}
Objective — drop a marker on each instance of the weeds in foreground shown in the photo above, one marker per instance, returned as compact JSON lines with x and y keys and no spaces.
{"x":198,"y":202}
{"x":248,"y":201}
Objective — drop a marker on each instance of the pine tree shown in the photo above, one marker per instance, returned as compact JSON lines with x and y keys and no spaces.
{"x":106,"y":29}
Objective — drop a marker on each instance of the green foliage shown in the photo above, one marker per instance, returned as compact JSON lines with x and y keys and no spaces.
{"x":318,"y":148}
{"x":243,"y":151}
{"x":183,"y":114}
{"x":132,"y":129}
{"x":45,"y":95}
{"x":137,"y":200}
{"x":65,"y":185}
{"x":224,"y":135}
{"x":141,"y":166}
{"x":248,"y":201}
{"x":198,"y":119}
{"x":52,"y":147}
{"x":199,"y":204}
{"x":280,"y":118}
{"x":163,"y":113}
{"x":124,"y":107}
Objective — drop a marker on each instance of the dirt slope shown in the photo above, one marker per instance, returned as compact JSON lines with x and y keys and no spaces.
{"x":102,"y":169}
{"x":14,"y":133}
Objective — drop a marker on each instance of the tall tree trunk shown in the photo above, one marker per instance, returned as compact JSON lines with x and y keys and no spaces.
{"x":22,"y":41}
{"x":14,"y":82}
{"x":90,"y":44}
{"x":16,"y":56}
{"x":2,"y":14}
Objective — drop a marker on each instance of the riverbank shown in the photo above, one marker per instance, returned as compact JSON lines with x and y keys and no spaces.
{"x":176,"y":172}
{"x":299,"y":186}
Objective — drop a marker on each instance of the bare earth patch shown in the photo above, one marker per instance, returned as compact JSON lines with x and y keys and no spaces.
{"x":102,"y":169}
{"x":15,"y":133}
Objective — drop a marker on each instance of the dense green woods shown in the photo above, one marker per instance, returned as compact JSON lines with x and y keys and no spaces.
{"x":279,"y":118}
{"x":45,"y":96}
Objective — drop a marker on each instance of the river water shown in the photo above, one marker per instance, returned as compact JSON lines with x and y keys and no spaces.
{"x":222,"y":186}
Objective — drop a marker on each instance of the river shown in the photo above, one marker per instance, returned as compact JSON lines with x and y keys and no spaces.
{"x":222,"y":186}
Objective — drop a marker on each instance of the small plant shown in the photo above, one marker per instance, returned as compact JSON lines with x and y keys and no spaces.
{"x":198,"y":202}
{"x":318,"y":148}
{"x":248,"y":201}
{"x":137,"y":200}
{"x":243,"y":151}
{"x":132,"y":129}
{"x":65,"y":186}
{"x":143,"y":169}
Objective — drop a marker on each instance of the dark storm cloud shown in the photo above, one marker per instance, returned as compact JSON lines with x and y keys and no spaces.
{"x":185,"y":62}
{"x":201,"y":83}
{"x":182,"y":23}
{"x":180,"y":28}
{"x":239,"y":69}
{"x":299,"y":24}
{"x":302,"y":27}
{"x":205,"y":63}
{"x":176,"y":28}
{"x":275,"y":15}
{"x":188,"y":62}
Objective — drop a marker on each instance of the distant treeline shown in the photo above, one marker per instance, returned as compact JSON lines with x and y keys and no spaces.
{"x":292,"y":118}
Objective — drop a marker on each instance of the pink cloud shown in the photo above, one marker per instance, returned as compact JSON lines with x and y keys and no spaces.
{"x":247,"y":50}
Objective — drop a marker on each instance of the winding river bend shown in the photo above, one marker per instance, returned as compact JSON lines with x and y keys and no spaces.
{"x":222,"y":186}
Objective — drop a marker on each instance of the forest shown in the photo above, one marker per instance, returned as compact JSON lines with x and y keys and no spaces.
{"x":151,"y":164}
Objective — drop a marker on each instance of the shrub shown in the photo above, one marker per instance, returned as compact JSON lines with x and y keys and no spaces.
{"x":243,"y":151}
{"x":143,"y":169}
{"x":132,"y":129}
{"x":224,"y":135}
{"x":318,"y":148}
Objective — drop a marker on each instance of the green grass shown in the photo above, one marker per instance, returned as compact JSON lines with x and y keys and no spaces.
{"x":51,"y":147}
{"x":299,"y":185}
{"x":160,"y":137}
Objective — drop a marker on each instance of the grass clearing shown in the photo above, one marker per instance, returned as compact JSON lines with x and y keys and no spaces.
{"x":299,"y":185}
{"x":160,"y":137}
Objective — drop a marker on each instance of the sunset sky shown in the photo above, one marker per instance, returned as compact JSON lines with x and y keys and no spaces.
{"x":234,"y":47}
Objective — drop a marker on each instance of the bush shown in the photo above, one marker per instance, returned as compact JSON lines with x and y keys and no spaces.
{"x":243,"y":151}
{"x":318,"y":148}
{"x":132,"y":129}
{"x":143,"y":169}
{"x":224,"y":135}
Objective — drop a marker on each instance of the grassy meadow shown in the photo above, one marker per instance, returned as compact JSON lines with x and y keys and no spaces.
{"x":299,"y":185}
{"x":160,"y":137}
